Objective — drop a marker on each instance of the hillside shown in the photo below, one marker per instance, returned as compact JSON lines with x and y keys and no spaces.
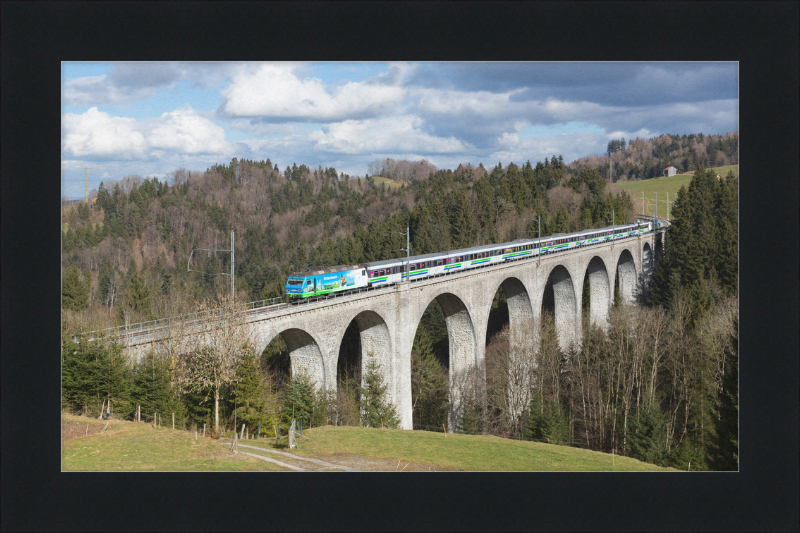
{"x":130,"y":446}
{"x":664,"y":188}
{"x":641,"y":159}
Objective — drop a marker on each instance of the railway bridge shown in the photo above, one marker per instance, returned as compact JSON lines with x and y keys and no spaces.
{"x":387,"y":318}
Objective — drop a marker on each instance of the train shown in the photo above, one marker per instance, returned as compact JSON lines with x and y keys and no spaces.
{"x":321,"y":281}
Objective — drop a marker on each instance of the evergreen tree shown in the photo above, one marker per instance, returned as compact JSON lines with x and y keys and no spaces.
{"x":299,"y":400}
{"x":547,"y":421}
{"x":94,"y":372}
{"x":725,"y":445}
{"x":152,"y":388}
{"x":137,"y":293}
{"x":647,"y":436}
{"x":376,"y":409}
{"x":74,"y":290}
{"x":255,"y":402}
{"x":429,"y":384}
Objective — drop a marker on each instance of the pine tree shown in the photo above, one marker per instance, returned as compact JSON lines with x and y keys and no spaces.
{"x":648,"y":435}
{"x":429,"y":385}
{"x":725,"y":445}
{"x":255,"y":402}
{"x":137,"y":293}
{"x":152,"y":387}
{"x":299,"y":399}
{"x":376,"y":409}
{"x":74,"y":290}
{"x":547,"y":421}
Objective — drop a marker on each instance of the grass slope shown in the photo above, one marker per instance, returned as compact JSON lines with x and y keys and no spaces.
{"x":663,"y":186}
{"x":387,"y":181}
{"x":457,"y":452}
{"x":127,"y":446}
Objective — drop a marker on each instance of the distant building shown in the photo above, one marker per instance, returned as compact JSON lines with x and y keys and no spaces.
{"x":670,"y":171}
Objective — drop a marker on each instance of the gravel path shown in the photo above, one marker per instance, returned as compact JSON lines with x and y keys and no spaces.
{"x":323,"y":464}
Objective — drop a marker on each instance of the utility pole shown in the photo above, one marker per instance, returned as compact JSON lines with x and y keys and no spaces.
{"x":86,"y":182}
{"x":232,"y":250}
{"x":656,"y":213}
{"x":233,"y":290}
{"x":668,"y":206}
{"x":408,"y":252}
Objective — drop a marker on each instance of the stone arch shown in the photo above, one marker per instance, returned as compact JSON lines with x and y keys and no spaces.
{"x":304,"y":354}
{"x":522,"y":343}
{"x":520,"y":312}
{"x":626,"y":276}
{"x":463,"y":348}
{"x":647,"y":260}
{"x":600,"y":291}
{"x":375,"y":339}
{"x":565,"y":304}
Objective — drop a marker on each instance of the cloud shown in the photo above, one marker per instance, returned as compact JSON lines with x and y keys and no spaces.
{"x":274,"y":91}
{"x":608,"y":83}
{"x":99,"y":135}
{"x":183,"y":131}
{"x":399,"y":134}
{"x":132,"y":81}
{"x":99,"y":90}
{"x":96,"y":135}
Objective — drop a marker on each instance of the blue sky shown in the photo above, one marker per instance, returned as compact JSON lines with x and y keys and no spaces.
{"x":148,"y":118}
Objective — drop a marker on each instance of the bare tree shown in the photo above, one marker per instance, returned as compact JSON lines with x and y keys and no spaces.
{"x":211,"y":349}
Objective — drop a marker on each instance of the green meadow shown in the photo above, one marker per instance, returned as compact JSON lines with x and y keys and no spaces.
{"x":664,"y":188}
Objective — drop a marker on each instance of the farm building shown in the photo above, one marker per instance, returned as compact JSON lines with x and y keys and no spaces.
{"x":670,"y":171}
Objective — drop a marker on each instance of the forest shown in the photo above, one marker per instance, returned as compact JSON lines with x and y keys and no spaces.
{"x":660,"y":383}
{"x":647,"y":158}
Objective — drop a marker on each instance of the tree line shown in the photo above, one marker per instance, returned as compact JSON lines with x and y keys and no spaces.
{"x":647,"y":158}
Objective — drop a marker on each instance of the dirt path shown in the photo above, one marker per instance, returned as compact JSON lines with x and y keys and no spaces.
{"x":292,"y":457}
{"x":71,"y":429}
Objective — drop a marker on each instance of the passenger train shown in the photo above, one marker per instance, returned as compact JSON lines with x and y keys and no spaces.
{"x":325,"y":280}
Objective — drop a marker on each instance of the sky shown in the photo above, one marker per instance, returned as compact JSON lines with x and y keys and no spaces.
{"x":151,"y":118}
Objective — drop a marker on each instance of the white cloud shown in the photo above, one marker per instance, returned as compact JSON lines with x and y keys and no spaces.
{"x":399,"y":134}
{"x":98,"y":135}
{"x":183,"y":131}
{"x":275,"y":91}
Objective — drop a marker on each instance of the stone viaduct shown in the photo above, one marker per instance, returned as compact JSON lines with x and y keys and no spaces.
{"x":387,"y":319}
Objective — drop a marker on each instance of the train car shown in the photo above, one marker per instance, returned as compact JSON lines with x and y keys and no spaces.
{"x":392,"y":271}
{"x":319,"y":281}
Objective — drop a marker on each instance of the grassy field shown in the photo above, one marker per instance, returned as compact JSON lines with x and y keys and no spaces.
{"x":663,"y":186}
{"x":387,"y":181}
{"x":455,"y":451}
{"x":129,"y":446}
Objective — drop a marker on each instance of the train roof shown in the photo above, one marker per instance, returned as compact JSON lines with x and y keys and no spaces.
{"x":314,"y":271}
{"x":487,"y":247}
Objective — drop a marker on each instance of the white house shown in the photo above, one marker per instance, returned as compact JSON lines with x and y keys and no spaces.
{"x":670,"y":171}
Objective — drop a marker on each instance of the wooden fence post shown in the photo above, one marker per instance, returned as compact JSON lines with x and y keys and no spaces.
{"x":173,"y":420}
{"x":204,"y":429}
